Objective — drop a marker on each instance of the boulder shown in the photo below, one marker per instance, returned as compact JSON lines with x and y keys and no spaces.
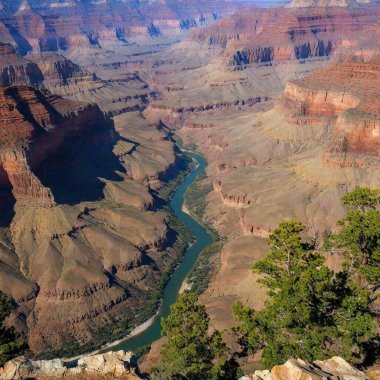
{"x":116,"y":364}
{"x":335,"y":368}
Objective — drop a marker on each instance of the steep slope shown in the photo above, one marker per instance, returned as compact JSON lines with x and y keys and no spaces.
{"x":278,"y":35}
{"x":16,"y":70}
{"x":58,"y":25}
{"x":83,"y":249}
{"x":346,"y":96}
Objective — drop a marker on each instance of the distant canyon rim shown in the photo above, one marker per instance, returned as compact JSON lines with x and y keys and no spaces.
{"x":283,"y":102}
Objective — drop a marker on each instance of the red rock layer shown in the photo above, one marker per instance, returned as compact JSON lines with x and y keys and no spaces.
{"x":52,"y":28}
{"x":32,"y":126}
{"x":282,"y":34}
{"x":345,"y":96}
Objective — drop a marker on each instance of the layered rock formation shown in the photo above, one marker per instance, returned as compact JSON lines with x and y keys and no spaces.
{"x":334,"y":368}
{"x":35,"y":25}
{"x":118,"y":365}
{"x":32,"y":128}
{"x":73,"y":262}
{"x":265,"y":36}
{"x":344,"y":95}
{"x":16,"y":70}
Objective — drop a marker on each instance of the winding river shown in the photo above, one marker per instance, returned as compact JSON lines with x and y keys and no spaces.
{"x":202,"y":240}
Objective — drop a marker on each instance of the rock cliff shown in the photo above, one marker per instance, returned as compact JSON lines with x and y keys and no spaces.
{"x":279,"y":35}
{"x":16,"y":70}
{"x":334,"y":368}
{"x":344,"y":96}
{"x":118,"y":365}
{"x":35,"y":25}
{"x":81,"y":238}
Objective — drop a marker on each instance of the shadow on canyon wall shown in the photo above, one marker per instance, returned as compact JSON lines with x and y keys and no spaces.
{"x":76,"y":172}
{"x":7,"y":200}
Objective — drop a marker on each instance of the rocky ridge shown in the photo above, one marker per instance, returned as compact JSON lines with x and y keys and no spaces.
{"x":118,"y":365}
{"x":334,"y":369}
{"x":34,"y":25}
{"x":275,"y":36}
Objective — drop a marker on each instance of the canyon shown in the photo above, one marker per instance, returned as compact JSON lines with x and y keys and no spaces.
{"x":283,"y":103}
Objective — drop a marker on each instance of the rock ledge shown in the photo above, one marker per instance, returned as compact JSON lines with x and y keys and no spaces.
{"x":335,"y":368}
{"x":114,"y":364}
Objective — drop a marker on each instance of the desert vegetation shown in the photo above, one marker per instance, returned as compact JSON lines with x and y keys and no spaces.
{"x":190,"y":352}
{"x":10,"y":343}
{"x":313,"y":311}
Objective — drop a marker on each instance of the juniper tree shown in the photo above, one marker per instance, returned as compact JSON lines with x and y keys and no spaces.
{"x":359,"y":238}
{"x":190,"y":352}
{"x":312,"y":312}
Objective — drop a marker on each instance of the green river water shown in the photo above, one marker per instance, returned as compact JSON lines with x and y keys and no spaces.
{"x":202,"y":240}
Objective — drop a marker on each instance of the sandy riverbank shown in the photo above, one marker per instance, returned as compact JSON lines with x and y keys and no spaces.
{"x":136,"y":331}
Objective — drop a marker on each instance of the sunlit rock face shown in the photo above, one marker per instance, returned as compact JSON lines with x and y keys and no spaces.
{"x":115,"y":365}
{"x":334,"y":368}
{"x":35,"y":25}
{"x":344,"y":95}
{"x":268,"y":36}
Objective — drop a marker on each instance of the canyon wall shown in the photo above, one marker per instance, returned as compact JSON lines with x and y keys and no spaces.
{"x":77,"y":262}
{"x":266,"y":36}
{"x":34,"y":25}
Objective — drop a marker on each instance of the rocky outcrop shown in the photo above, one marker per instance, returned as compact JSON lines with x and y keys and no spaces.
{"x":60,"y":76}
{"x":275,"y":36}
{"x":343,"y":96}
{"x":296,"y":369}
{"x":34,"y":126}
{"x":16,"y":70}
{"x":47,"y":26}
{"x":118,"y":364}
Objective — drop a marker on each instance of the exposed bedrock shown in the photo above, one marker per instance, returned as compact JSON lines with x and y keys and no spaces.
{"x":115,"y":365}
{"x":83,"y":251}
{"x":334,"y":368}
{"x":16,"y":70}
{"x":344,"y":97}
{"x":55,"y":26}
{"x":278,"y":35}
{"x":34,"y":128}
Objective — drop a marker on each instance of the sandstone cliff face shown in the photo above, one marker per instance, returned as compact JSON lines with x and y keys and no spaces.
{"x":345,"y":97}
{"x":265,"y":36}
{"x":55,"y":26}
{"x":32,"y":128}
{"x":118,"y":365}
{"x":334,"y":368}
{"x":50,"y":70}
{"x":15,"y":70}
